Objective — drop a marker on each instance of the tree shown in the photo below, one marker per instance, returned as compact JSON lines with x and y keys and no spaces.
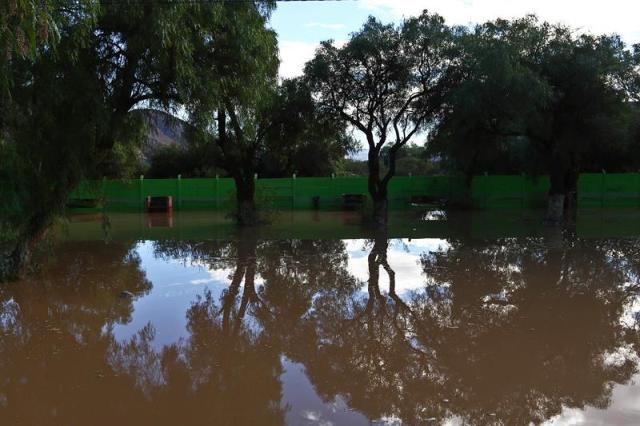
{"x":630,"y":79}
{"x":70,"y":106}
{"x":46,"y":92}
{"x":303,"y":137}
{"x":494,"y":97}
{"x":388,"y":83}
{"x":230,"y":109}
{"x":534,"y":97}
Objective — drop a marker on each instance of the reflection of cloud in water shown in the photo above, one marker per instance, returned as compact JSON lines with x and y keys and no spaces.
{"x":175,"y":286}
{"x":623,"y":411}
{"x":307,"y":408}
{"x":315,"y":418}
{"x":403,"y":256}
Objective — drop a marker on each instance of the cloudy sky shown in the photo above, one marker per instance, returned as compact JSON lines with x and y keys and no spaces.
{"x":302,"y":25}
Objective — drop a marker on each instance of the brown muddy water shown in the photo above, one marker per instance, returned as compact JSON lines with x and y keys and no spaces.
{"x":445,"y":319}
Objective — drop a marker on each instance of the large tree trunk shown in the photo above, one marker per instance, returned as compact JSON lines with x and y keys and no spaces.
{"x":380,"y":211}
{"x":377,"y":191}
{"x":246,"y":212}
{"x":562,"y":199}
{"x":17,"y":257}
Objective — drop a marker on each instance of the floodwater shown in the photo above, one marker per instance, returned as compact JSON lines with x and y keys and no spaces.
{"x":477,"y":319}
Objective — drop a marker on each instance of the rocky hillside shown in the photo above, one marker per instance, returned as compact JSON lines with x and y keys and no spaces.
{"x":164,"y":129}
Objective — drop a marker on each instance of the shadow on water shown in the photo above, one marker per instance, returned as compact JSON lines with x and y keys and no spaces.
{"x":494,"y":331}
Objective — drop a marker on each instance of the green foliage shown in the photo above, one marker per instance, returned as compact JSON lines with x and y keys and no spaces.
{"x":388,"y":83}
{"x":189,"y":162}
{"x":70,"y":106}
{"x":534,"y":97}
{"x":300,"y":136}
{"x":411,"y":160}
{"x":240,"y":53}
{"x":496,"y":93}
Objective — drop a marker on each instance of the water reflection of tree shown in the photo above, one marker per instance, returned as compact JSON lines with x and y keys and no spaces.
{"x":230,"y":363}
{"x":535,"y":342}
{"x":505,"y":332}
{"x":55,"y":331}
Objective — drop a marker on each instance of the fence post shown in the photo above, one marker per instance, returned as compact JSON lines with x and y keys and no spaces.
{"x":293,"y":191}
{"x":216,"y":193}
{"x":179,"y":182}
{"x":141,"y":189}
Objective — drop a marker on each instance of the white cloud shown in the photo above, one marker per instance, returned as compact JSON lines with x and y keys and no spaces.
{"x":619,"y":16}
{"x":293,"y":56}
{"x":325,"y":26}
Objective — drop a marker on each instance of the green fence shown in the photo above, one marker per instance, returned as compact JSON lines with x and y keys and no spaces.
{"x":594,"y":190}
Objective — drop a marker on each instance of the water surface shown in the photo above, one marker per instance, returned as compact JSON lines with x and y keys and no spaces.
{"x":477,"y":319}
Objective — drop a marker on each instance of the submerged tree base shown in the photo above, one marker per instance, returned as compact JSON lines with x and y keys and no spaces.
{"x":555,"y":209}
{"x":15,"y":261}
{"x":247,"y":214}
{"x":561,"y":208}
{"x":380,"y":217}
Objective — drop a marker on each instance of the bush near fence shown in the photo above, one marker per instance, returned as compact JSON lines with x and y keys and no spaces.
{"x":486,"y":192}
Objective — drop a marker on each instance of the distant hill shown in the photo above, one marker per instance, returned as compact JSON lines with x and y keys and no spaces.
{"x":164,"y":130}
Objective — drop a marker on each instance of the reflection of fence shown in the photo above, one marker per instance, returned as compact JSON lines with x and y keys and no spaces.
{"x":594,"y":190}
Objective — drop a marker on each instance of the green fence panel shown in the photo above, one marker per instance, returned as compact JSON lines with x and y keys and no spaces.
{"x":160,"y":188}
{"x":486,"y":192}
{"x":123,"y":194}
{"x":621,"y":190}
{"x":537,"y":189}
{"x":591,"y":190}
{"x":325,"y":189}
{"x":275,"y":192}
{"x":198,"y":193}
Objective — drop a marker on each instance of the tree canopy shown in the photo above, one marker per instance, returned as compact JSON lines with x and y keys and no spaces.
{"x":70,"y":105}
{"x":535,"y":97}
{"x":388,"y":83}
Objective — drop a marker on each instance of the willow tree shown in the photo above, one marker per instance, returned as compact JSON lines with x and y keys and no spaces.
{"x":388,"y":83}
{"x":233,"y":90}
{"x":70,"y":102}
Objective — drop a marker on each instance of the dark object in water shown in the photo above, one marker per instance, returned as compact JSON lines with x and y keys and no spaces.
{"x":82,"y":203}
{"x":425,"y":200}
{"x":352,"y":201}
{"x":315,"y":202}
{"x":159,"y":204}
